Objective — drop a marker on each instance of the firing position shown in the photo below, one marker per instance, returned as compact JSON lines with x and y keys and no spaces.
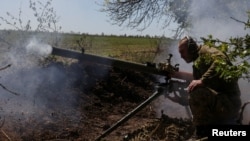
{"x":212,"y":99}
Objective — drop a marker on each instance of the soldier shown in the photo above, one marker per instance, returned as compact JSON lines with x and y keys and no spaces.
{"x":212,"y":99}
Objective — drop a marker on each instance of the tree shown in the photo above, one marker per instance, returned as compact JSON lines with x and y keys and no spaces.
{"x":238,"y":51}
{"x":139,"y":14}
{"x":45,"y":17}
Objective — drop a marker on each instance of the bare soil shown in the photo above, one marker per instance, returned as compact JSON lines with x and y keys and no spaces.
{"x":90,"y":100}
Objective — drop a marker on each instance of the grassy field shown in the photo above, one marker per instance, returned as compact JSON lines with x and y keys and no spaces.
{"x":130,"y":48}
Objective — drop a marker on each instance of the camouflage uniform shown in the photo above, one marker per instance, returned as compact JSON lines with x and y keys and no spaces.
{"x":217,"y":101}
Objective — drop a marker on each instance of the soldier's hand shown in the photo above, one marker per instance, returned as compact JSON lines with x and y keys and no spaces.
{"x":194,"y":84}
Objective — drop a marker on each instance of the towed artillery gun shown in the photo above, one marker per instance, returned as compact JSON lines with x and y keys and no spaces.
{"x":164,"y":69}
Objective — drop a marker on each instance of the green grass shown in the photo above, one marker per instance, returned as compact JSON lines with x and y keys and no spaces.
{"x":138,"y":49}
{"x":130,"y":48}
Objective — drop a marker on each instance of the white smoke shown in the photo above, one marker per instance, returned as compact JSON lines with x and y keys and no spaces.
{"x":36,"y":91}
{"x":217,"y":18}
{"x":26,"y":55}
{"x":38,"y":49}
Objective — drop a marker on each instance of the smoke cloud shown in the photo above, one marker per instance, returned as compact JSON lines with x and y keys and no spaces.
{"x":35,"y":92}
{"x":38,"y":49}
{"x":218,"y":18}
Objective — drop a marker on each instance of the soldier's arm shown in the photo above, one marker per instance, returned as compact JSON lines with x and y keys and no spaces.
{"x":182,"y":75}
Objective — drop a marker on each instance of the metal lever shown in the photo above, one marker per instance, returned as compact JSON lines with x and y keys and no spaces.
{"x":169,"y":58}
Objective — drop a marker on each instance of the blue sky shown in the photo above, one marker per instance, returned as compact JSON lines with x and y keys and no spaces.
{"x":78,"y":16}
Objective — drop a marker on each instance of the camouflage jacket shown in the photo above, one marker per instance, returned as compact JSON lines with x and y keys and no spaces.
{"x":204,"y":68}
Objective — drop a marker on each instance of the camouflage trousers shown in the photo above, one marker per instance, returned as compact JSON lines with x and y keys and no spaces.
{"x":210,"y":108}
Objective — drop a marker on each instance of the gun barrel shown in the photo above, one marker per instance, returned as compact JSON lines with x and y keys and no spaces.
{"x":105,"y":61}
{"x":118,"y":63}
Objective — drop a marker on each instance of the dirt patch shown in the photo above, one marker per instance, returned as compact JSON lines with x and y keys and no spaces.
{"x":89,"y":100}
